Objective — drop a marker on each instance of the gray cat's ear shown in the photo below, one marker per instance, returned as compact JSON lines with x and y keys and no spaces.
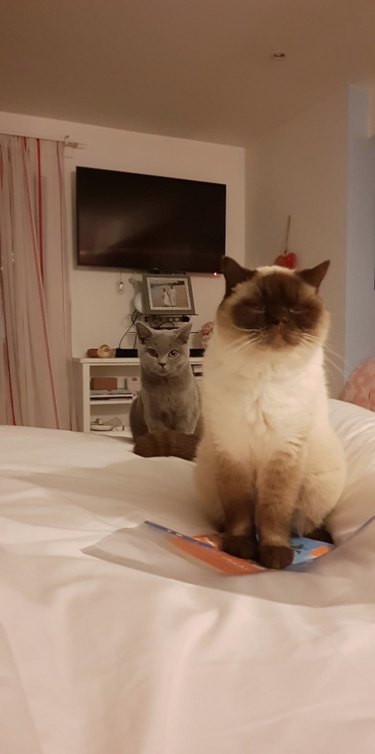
{"x":144,"y":332}
{"x":182,"y":334}
{"x":315,"y":275}
{"x":234,"y":274}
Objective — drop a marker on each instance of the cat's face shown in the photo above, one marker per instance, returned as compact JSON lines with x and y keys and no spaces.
{"x":273,"y":307}
{"x":163,"y":352}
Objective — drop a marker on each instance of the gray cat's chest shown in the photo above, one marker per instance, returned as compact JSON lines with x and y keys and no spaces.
{"x":169,"y":418}
{"x":169,"y":402}
{"x":173,"y":405}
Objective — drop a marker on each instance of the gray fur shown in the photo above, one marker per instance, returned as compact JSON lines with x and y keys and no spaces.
{"x":169,"y":397}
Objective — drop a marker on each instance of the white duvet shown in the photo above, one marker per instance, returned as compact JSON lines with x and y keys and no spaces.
{"x":156,"y":655}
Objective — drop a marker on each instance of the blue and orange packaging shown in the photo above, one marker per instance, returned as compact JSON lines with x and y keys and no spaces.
{"x":206,"y":549}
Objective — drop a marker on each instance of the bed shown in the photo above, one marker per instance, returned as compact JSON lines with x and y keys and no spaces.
{"x":139,"y":651}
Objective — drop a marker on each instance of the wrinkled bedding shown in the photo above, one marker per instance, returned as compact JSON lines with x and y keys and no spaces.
{"x":155,"y":655}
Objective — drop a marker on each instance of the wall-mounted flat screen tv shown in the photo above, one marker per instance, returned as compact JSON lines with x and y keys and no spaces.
{"x":151,"y":223}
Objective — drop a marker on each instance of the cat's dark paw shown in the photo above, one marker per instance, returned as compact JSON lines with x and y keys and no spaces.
{"x":275,"y":556}
{"x":241,"y":547}
{"x":321,"y":534}
{"x":144,"y":446}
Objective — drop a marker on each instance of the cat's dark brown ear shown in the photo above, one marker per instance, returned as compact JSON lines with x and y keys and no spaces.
{"x":143,"y":331}
{"x":234,"y":274}
{"x":315,"y":275}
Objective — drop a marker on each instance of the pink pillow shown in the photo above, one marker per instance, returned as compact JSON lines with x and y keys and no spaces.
{"x":360,"y":387}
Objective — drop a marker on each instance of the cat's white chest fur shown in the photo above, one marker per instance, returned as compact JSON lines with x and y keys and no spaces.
{"x":256,"y":409}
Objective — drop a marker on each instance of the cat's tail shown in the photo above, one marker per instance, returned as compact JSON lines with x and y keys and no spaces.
{"x":167,"y":443}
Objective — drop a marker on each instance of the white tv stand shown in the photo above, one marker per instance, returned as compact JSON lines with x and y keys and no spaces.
{"x":90,"y":409}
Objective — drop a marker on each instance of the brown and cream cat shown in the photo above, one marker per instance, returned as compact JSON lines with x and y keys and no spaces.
{"x":269,"y":462}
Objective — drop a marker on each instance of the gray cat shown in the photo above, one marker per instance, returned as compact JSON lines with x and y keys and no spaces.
{"x":169,"y":398}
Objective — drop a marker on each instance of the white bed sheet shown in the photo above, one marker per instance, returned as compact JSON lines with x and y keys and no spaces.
{"x":98,"y":658}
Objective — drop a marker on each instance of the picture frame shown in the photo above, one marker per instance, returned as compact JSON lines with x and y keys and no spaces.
{"x":167,"y":295}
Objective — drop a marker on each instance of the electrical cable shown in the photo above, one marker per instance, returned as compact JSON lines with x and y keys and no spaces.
{"x":134,"y":316}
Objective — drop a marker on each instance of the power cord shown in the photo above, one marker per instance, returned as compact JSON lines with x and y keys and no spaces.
{"x":134,"y":316}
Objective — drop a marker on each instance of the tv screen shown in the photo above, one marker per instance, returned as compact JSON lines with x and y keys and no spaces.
{"x":150,"y":223}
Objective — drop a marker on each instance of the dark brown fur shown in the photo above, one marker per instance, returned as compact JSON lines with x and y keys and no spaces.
{"x":167,"y":443}
{"x":276,"y":309}
{"x":278,"y":302}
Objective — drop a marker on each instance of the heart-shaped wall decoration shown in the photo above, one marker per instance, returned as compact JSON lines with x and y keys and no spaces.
{"x":288,"y":259}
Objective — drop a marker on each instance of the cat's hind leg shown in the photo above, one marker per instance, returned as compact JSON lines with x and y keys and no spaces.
{"x":321,"y":488}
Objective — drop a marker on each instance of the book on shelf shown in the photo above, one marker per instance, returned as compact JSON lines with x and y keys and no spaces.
{"x":118,"y":393}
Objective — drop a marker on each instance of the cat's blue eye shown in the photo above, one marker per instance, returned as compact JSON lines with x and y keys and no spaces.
{"x":152,"y":352}
{"x":172,"y":354}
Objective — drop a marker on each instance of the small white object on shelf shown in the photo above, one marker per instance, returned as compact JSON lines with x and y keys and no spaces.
{"x":101,"y":427}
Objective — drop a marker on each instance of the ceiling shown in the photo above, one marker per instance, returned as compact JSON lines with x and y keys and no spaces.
{"x":199,"y":69}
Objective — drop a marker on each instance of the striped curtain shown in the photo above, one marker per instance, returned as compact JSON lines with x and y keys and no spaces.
{"x":35,"y":337}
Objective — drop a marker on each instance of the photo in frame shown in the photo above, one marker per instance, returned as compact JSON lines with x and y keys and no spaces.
{"x":168,"y":295}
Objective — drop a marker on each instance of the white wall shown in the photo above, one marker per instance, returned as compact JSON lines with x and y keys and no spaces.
{"x":360,"y":293}
{"x":99,"y":311}
{"x":300,"y":169}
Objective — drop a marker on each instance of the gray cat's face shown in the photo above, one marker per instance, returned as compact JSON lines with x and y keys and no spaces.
{"x":163,"y":352}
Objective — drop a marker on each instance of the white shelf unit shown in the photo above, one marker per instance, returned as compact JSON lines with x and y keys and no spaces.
{"x":106,"y":409}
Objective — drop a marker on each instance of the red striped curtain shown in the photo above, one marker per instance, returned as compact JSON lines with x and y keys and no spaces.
{"x":35,"y":335}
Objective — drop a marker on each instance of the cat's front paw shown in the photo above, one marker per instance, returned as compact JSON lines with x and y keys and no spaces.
{"x":240,"y":546}
{"x":144,"y":446}
{"x":275,"y":556}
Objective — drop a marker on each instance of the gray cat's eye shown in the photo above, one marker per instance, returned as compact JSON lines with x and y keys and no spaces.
{"x":152,"y":352}
{"x":172,"y":354}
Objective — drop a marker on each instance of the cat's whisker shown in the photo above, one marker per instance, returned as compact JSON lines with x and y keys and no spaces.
{"x":332,"y":364}
{"x":243,"y":348}
{"x":328,"y":347}
{"x":246,"y":330}
{"x":246,"y":348}
{"x":230,"y":347}
{"x":312,"y":338}
{"x":241,"y":344}
{"x":240,"y":347}
{"x":311,"y":341}
{"x":334,"y":356}
{"x":328,"y":352}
